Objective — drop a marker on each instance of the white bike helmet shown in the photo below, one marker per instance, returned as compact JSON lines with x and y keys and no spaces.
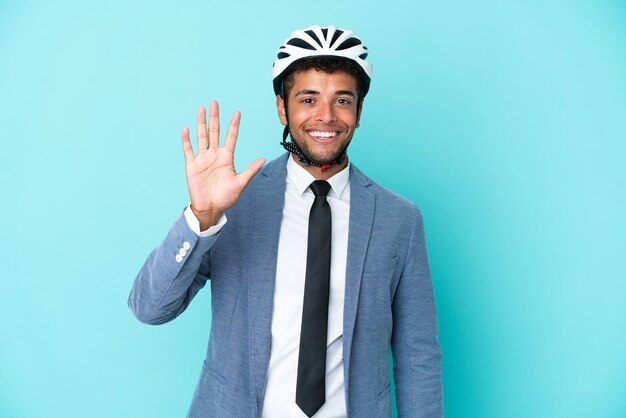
{"x":320,"y":41}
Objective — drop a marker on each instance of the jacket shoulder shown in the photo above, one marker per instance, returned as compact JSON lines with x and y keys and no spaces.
{"x":386,"y":198}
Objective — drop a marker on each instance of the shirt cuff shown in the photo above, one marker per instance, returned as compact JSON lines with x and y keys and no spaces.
{"x":194,"y":224}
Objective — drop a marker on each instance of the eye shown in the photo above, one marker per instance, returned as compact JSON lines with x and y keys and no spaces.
{"x":307,"y":100}
{"x":343,"y":101}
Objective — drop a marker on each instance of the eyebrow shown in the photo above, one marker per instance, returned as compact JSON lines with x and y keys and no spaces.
{"x":338,"y":92}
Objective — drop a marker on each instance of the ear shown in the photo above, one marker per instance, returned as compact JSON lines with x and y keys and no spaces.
{"x":280,"y":107}
{"x":358,"y":116}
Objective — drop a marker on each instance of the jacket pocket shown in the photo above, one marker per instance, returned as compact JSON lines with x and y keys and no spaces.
{"x":384,"y":401}
{"x":214,"y":373}
{"x":385,"y":392}
{"x":380,"y":265}
{"x":208,"y":396}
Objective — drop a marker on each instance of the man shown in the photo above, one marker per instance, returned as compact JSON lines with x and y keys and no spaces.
{"x":316,"y":271}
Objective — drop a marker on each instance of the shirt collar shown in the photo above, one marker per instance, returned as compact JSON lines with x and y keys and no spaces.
{"x":302,"y":179}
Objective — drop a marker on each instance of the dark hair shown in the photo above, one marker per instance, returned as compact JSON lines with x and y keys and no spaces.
{"x":328,"y":64}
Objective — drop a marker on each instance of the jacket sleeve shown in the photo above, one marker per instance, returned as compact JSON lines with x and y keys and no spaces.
{"x":172,"y":275}
{"x":415,"y":348}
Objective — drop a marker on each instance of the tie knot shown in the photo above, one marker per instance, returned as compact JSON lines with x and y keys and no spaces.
{"x":320,"y":188}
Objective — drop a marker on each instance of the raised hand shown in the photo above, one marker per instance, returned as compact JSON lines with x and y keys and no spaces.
{"x":213,"y":182}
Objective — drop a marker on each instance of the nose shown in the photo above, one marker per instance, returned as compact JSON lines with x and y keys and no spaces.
{"x":325,"y":112}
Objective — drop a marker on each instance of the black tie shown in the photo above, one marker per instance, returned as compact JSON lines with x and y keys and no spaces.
{"x":311,"y":384}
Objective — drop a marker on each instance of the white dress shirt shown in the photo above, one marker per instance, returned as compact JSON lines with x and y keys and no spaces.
{"x":280,"y":392}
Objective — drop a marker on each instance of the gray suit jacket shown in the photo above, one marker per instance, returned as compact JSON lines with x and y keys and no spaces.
{"x":388,"y":301}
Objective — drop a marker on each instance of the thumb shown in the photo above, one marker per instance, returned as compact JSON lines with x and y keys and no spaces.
{"x":246,"y":175}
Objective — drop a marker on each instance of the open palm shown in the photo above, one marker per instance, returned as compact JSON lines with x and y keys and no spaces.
{"x":213,"y":182}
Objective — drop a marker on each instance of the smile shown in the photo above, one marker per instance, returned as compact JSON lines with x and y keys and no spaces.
{"x":323,"y":134}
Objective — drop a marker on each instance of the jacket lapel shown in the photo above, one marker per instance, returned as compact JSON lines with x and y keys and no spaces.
{"x":362,"y":206}
{"x":267,"y":210}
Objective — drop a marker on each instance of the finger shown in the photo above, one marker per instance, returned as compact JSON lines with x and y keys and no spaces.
{"x":246,"y":175}
{"x":203,"y":142}
{"x":187,"y":149}
{"x":214,"y":124}
{"x":233,"y":131}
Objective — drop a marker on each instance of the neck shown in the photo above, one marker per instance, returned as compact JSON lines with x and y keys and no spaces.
{"x":317,"y":172}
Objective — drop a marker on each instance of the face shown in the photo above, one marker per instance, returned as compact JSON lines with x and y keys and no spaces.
{"x":322,"y":109}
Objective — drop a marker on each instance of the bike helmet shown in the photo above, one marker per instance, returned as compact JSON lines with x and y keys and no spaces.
{"x":320,"y":41}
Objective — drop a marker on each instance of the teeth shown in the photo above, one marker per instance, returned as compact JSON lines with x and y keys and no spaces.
{"x":322,"y":134}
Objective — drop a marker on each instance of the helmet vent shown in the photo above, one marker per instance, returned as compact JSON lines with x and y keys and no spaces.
{"x":336,"y":35}
{"x":300,"y":43}
{"x":319,"y":41}
{"x":314,"y":36}
{"x":348,"y":43}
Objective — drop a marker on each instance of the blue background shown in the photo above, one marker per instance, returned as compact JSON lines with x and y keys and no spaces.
{"x":504,"y":121}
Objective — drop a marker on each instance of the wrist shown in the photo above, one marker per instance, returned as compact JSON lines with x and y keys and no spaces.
{"x":206,"y":218}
